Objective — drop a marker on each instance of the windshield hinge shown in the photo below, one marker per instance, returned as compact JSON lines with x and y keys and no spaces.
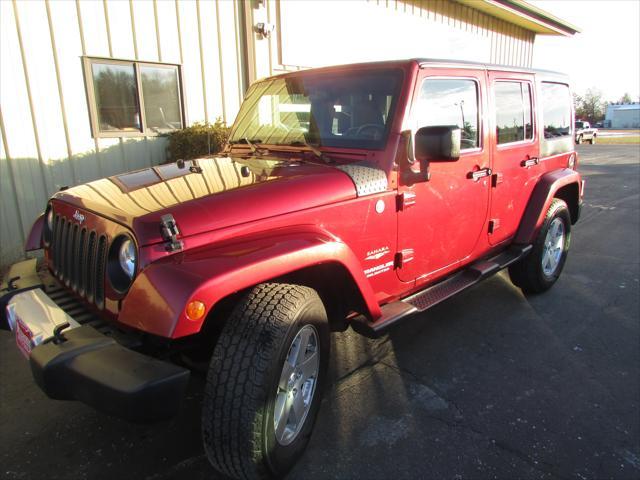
{"x":169,"y":231}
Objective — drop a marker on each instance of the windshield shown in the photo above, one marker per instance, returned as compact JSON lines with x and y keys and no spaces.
{"x":350,"y":110}
{"x":579,"y":124}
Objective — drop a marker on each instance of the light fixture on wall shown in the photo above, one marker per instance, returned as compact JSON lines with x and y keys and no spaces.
{"x":264,"y":29}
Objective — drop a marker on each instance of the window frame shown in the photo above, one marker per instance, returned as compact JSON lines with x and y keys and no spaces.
{"x":534,"y":129}
{"x":87,"y":63}
{"x":572,"y":121}
{"x":480,"y":106}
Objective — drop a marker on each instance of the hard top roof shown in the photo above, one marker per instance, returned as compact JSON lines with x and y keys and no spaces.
{"x":432,"y":62}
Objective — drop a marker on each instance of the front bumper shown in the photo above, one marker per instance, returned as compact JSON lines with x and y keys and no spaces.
{"x":93,"y":368}
{"x":83,"y":361}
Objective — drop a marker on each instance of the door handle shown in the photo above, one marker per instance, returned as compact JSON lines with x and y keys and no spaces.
{"x":478,"y":174}
{"x":530,"y":162}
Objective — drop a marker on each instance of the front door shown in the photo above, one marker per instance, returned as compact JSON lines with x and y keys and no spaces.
{"x":442,"y":219}
{"x":515,"y":151}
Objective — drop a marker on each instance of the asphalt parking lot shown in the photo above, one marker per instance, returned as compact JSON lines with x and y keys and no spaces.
{"x":490,"y":384}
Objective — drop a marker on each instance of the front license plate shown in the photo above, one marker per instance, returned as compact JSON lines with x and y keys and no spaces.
{"x":23,"y":337}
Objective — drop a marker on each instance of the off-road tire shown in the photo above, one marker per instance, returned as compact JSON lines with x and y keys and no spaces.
{"x":528,"y":273}
{"x":242,"y":382}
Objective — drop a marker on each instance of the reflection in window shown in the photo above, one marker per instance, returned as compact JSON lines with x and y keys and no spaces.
{"x":450,"y":102}
{"x":160,"y":91}
{"x":116,"y":95}
{"x":513,"y":112}
{"x":556,"y":110}
{"x":339,"y":110}
{"x":121,"y":89}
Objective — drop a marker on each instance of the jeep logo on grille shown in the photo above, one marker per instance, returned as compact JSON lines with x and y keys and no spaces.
{"x":78,"y":216}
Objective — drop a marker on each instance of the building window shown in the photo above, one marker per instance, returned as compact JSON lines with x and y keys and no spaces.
{"x":129,"y":99}
{"x":556,"y":110}
{"x":514,"y":122}
{"x":450,"y":101}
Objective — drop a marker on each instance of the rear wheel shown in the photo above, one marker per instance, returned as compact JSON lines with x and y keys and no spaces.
{"x":538,"y":271}
{"x":265,"y":382}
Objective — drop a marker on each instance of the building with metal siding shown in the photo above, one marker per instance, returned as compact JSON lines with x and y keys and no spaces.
{"x":51,"y":125}
{"x":626,"y":115}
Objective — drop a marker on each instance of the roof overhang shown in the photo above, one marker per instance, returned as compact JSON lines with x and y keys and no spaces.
{"x":524,"y":15}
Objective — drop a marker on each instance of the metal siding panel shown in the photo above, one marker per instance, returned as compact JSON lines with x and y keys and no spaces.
{"x":135,"y":153}
{"x":120,"y":29}
{"x":157,"y":29}
{"x":211,"y":64}
{"x":44,"y":92}
{"x":12,"y":232}
{"x":168,"y":32}
{"x":229,"y":59}
{"x":95,"y":28}
{"x":29,"y":193}
{"x":158,"y":149}
{"x":145,"y":31}
{"x":69,"y":48}
{"x":63,"y":112}
{"x":132,"y":16}
{"x":191,"y":72}
{"x":220,"y":64}
{"x":110,"y":157}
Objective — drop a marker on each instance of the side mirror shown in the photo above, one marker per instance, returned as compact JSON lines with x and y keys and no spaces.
{"x":438,"y":144}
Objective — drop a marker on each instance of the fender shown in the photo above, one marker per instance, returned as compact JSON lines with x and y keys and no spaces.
{"x":157,"y":299}
{"x":34,"y":240}
{"x":541,"y":199}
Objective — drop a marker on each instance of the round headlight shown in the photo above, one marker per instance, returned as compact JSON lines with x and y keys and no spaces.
{"x":122,"y":263}
{"x":127,"y":257}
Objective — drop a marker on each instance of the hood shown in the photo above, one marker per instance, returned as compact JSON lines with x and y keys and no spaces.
{"x":210,"y":193}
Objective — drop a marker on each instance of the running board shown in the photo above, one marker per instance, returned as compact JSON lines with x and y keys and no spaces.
{"x":423,"y":300}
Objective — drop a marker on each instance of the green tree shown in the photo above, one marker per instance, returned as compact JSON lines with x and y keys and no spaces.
{"x":590,"y":107}
{"x":626,"y":98}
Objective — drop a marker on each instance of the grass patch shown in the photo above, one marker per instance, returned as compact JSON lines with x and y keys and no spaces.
{"x":618,"y":140}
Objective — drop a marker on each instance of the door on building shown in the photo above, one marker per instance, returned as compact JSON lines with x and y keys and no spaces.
{"x":515,"y":151}
{"x":448,"y":214}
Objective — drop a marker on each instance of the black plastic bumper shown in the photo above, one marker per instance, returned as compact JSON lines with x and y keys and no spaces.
{"x":96,"y":370}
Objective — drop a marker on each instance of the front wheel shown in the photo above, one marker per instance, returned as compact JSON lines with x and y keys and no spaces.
{"x":538,"y":271}
{"x":579,"y":139}
{"x":265,"y":382}
{"x":593,"y":140}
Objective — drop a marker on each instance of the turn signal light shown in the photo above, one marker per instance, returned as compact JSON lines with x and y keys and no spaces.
{"x":195,"y":310}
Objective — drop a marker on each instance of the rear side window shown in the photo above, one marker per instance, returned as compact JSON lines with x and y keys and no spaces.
{"x":448,"y":102}
{"x":556,"y":110}
{"x":514,"y":121}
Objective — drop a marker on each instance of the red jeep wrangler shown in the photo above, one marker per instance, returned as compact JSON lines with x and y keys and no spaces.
{"x":351,"y":196}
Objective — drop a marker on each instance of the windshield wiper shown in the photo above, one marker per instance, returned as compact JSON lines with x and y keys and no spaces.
{"x":251,"y":144}
{"x":316,"y":151}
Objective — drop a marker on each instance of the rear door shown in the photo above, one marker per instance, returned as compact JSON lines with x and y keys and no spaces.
{"x":441,"y":220}
{"x":515,"y":151}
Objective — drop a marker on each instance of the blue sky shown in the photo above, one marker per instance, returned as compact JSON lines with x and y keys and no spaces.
{"x":606,"y":55}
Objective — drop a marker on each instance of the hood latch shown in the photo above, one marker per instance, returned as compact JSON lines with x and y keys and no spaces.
{"x":169,"y":231}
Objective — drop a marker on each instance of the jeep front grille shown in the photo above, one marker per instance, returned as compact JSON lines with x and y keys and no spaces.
{"x":78,"y":259}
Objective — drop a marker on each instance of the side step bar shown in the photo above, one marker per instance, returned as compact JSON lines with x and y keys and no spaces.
{"x":424,"y":299}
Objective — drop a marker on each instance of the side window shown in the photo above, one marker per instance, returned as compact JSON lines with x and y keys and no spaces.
{"x":450,"y":102}
{"x":556,"y":110}
{"x":514,"y":121}
{"x":128,"y":98}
